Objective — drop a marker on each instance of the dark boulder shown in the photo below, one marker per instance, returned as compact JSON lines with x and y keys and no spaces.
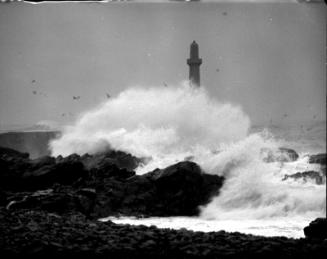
{"x":106,"y":168}
{"x":177,"y":190}
{"x":317,"y":229}
{"x":18,"y":173}
{"x":183,"y":187}
{"x":43,"y":161}
{"x":111,"y":157}
{"x":132,"y":197}
{"x":290,"y":154}
{"x":59,"y":200}
{"x":104,"y":184}
{"x":65,"y":172}
{"x":318,"y":159}
{"x":313,"y":175}
{"x":281,"y":155}
{"x":12,"y":166}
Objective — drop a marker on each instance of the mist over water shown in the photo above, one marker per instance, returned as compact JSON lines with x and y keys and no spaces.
{"x":254,"y":189}
{"x":170,"y":124}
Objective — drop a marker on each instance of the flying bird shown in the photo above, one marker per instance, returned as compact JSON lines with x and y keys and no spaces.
{"x":108,"y":95}
{"x":225,"y":13}
{"x":34,"y":92}
{"x":165,"y":84}
{"x":76,"y":97}
{"x":217,"y":70}
{"x":33,"y":81}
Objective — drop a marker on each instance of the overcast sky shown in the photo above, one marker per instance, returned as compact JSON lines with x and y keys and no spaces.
{"x":268,"y":58}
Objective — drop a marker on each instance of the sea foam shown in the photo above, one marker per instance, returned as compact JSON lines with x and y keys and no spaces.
{"x":170,"y":124}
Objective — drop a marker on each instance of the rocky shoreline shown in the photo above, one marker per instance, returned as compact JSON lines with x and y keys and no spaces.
{"x":38,"y":233}
{"x":102,"y":185}
{"x":50,"y":206}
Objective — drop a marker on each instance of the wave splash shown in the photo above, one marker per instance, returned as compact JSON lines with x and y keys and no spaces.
{"x":166,"y":125}
{"x":254,"y":189}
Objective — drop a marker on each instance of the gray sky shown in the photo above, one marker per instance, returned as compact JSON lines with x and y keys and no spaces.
{"x":270,"y":56}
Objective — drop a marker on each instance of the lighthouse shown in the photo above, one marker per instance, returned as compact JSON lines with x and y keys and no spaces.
{"x":194,"y":63}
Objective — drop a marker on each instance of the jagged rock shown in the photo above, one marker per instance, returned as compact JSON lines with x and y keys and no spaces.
{"x":183,"y":187}
{"x":106,"y":169}
{"x":316,"y":176}
{"x":62,"y":200}
{"x":43,"y":161}
{"x":176,"y":190}
{"x":20,"y":173}
{"x":104,"y":184}
{"x":65,"y":172}
{"x":111,"y":157}
{"x":291,"y":154}
{"x":281,"y":155}
{"x":12,"y":166}
{"x":318,"y":159}
{"x":86,"y":198}
{"x":317,"y":229}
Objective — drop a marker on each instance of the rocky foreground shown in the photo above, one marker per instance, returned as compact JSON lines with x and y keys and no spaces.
{"x":102,"y":185}
{"x":50,"y":206}
{"x":39,"y":233}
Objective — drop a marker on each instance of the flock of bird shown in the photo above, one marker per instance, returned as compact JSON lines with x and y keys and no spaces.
{"x":75,"y":98}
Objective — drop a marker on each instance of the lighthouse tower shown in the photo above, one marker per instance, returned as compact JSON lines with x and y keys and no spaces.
{"x":194,"y":63}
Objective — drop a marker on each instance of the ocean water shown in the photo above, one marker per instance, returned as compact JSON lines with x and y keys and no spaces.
{"x":165,"y":125}
{"x":306,"y":137}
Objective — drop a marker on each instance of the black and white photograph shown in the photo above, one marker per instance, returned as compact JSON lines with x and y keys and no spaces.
{"x":163,"y":129}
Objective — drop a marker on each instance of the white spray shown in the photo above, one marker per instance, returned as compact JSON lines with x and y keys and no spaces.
{"x":169,"y":124}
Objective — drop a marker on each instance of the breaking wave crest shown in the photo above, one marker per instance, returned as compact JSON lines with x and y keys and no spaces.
{"x":255,"y":189}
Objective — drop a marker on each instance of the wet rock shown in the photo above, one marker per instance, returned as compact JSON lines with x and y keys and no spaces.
{"x":86,"y":198}
{"x":107,"y":169}
{"x":104,"y":184}
{"x":281,"y":155}
{"x":183,"y":187}
{"x":19,"y":173}
{"x":62,"y":200}
{"x":291,"y":155}
{"x":318,"y":159}
{"x":43,"y":161}
{"x":111,"y":157}
{"x":317,"y":229}
{"x":12,"y":166}
{"x":64,"y":172}
{"x":176,"y":190}
{"x":306,"y":176}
